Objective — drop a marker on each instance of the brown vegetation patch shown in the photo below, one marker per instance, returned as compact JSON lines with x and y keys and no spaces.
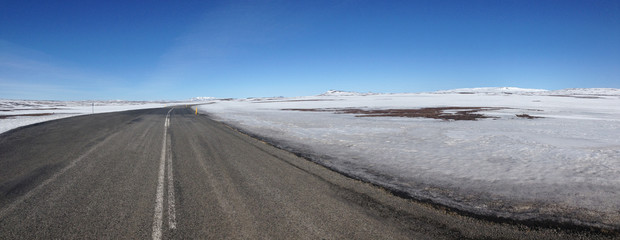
{"x":576,"y":96}
{"x":300,"y":100}
{"x":32,"y":109}
{"x":445,"y":113}
{"x":25,"y":115}
{"x":527,"y":116}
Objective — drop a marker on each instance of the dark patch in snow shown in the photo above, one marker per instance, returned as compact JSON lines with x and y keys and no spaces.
{"x":527,"y":116}
{"x":299,"y":100}
{"x":462,"y":113}
{"x":576,"y":96}
{"x":35,"y":109}
{"x":25,"y":115}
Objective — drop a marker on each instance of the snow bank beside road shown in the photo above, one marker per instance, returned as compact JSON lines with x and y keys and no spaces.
{"x":18,"y":113}
{"x":562,"y":166}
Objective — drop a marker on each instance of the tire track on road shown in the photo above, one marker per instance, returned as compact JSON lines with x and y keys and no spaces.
{"x":11,"y":206}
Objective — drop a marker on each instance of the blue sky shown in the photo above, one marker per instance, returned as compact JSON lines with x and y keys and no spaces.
{"x":134,"y":50}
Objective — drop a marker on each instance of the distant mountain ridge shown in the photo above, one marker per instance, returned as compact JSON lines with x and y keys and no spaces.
{"x":502,"y":90}
{"x":492,"y":90}
{"x":198,"y":99}
{"x":344,"y":93}
{"x":587,"y":91}
{"x":526,"y":91}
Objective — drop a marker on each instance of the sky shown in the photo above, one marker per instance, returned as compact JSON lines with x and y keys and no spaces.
{"x":175,"y":50}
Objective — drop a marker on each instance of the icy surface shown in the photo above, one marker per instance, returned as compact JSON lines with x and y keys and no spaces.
{"x":14,"y":113}
{"x":563,"y":166}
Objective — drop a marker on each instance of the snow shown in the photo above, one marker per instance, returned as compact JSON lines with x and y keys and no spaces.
{"x":60,"y":109}
{"x":563,"y":166}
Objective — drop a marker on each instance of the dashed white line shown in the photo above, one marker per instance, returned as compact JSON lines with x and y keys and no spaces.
{"x":159,"y":197}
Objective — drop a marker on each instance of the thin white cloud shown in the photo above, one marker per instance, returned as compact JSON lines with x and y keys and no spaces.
{"x":223,"y":37}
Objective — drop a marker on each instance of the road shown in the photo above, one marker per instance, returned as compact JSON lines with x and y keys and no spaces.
{"x":170,"y":174}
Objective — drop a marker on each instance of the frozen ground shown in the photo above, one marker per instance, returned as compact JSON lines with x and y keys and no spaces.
{"x":17,"y":113}
{"x":560,"y":160}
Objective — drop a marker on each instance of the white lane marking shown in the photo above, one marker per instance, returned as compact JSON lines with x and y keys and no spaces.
{"x":159,"y":197}
{"x":172,"y":222}
{"x":35,"y":190}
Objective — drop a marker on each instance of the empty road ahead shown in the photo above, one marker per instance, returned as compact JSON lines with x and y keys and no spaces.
{"x":169,"y":174}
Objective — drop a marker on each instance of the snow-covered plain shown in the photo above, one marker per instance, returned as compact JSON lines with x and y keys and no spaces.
{"x":563,"y":166}
{"x":18,"y":113}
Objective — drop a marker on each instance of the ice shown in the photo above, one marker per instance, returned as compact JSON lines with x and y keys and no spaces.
{"x":563,"y":166}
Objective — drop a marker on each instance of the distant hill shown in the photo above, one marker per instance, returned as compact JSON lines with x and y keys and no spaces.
{"x":526,"y":91}
{"x":344,"y":93}
{"x":586,"y":91}
{"x":497,"y":90}
{"x":200,"y":99}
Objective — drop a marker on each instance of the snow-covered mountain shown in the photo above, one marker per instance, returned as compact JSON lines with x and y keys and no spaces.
{"x":344,"y":93}
{"x":200,"y":99}
{"x":539,"y":92}
{"x":501,"y":91}
{"x":586,"y":91}
{"x":493,"y":90}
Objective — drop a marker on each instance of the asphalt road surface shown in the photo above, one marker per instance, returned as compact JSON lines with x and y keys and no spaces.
{"x":169,"y":174}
